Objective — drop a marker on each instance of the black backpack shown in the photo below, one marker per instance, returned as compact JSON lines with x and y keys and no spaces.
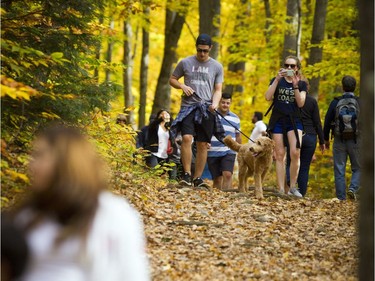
{"x":346,"y":118}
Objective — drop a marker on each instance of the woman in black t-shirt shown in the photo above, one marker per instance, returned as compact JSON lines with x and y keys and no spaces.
{"x":288,"y":93}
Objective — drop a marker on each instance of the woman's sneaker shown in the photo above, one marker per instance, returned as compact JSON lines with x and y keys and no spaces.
{"x":200,"y":184}
{"x":185,"y":180}
{"x":294,"y":191}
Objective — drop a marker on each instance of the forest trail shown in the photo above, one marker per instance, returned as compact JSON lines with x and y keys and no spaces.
{"x":199,"y":235}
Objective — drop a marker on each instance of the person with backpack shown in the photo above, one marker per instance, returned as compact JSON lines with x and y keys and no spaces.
{"x":342,"y":118}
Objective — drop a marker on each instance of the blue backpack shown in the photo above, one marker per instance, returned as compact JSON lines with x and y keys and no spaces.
{"x":346,"y":118}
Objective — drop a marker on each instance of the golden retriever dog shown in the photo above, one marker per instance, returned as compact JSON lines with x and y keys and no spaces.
{"x":254,"y":159}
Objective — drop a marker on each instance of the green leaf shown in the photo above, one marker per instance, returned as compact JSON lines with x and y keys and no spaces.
{"x":57,"y":55}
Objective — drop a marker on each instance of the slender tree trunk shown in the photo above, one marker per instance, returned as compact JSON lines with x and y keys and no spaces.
{"x":267,"y":27}
{"x":173,"y":27}
{"x":291,"y":33}
{"x":366,"y":218}
{"x":128,"y":72}
{"x":316,"y":51}
{"x":299,"y":28}
{"x":144,"y":70}
{"x":109,"y":54}
{"x":209,"y":22}
{"x":98,"y":49}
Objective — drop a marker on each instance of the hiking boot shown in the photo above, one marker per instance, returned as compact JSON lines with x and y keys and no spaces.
{"x":185,"y":180}
{"x":294,"y":191}
{"x":351,"y":195}
{"x":200,"y":184}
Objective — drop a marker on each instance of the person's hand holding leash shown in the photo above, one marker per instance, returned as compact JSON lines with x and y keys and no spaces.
{"x":212,"y":108}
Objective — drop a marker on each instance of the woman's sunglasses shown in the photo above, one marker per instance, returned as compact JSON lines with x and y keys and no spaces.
{"x":291,"y":65}
{"x":202,"y":50}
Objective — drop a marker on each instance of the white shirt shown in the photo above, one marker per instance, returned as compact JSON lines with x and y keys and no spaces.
{"x":258,"y":129}
{"x":115,"y":248}
{"x":163,"y":137}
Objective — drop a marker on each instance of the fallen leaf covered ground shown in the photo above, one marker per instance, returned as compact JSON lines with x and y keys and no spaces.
{"x":200,"y":235}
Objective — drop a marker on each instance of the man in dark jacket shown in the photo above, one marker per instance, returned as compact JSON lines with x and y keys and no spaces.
{"x":344,"y":146}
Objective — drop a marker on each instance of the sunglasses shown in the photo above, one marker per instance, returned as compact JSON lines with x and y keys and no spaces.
{"x":291,"y":65}
{"x":203,"y":50}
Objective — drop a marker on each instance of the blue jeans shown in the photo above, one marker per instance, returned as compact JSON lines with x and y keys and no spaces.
{"x":341,"y":151}
{"x":152,"y":161}
{"x":307,"y":152}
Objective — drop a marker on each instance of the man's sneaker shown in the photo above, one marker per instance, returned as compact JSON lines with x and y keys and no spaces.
{"x":294,"y":191}
{"x":185,"y":180}
{"x":352,"y":195}
{"x":200,"y":184}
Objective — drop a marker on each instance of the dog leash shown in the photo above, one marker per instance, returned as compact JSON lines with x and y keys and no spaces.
{"x":230,"y":123}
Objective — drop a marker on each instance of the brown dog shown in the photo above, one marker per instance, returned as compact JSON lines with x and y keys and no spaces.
{"x":254,"y":159}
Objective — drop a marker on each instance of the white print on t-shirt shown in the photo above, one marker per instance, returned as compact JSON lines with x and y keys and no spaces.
{"x":199,"y":69}
{"x":286,"y":95}
{"x":200,"y":75}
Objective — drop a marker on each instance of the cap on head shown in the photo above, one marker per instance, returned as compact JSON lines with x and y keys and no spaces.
{"x":203,"y":39}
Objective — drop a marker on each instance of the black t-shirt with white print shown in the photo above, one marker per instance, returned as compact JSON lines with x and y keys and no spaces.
{"x":284,"y":97}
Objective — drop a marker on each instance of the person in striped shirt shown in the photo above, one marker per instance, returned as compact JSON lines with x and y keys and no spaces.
{"x":221,"y":158}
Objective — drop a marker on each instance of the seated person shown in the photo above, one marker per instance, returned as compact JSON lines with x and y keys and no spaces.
{"x":160,"y":142}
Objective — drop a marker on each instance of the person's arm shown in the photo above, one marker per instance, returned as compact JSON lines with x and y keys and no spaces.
{"x":330,"y":116}
{"x":318,"y":125}
{"x":216,"y":97}
{"x":176,"y":75}
{"x":272,"y":88}
{"x":300,"y":89}
{"x":263,"y":129}
{"x":173,"y":81}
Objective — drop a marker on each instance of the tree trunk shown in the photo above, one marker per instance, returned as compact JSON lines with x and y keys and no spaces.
{"x":209,"y":22}
{"x":316,"y":51}
{"x":238,"y":67}
{"x":144,"y":70}
{"x":292,"y":28}
{"x":174,"y":22}
{"x":98,"y":49}
{"x":267,"y":27}
{"x":128,"y":72}
{"x":299,"y":28}
{"x":109,"y":54}
{"x":366,"y":218}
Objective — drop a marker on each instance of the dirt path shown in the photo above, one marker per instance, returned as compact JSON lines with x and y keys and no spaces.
{"x":197,"y":235}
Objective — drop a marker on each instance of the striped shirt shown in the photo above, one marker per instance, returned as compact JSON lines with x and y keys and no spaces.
{"x":219,"y":149}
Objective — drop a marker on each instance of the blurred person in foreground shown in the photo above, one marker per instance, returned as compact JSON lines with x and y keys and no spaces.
{"x":14,"y":250}
{"x":75,"y":229}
